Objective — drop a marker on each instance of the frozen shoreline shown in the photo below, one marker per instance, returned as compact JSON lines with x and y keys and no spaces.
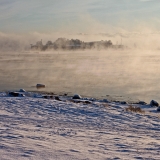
{"x":33,"y":127}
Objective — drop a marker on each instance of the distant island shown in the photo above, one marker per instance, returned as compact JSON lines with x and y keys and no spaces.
{"x":74,"y":44}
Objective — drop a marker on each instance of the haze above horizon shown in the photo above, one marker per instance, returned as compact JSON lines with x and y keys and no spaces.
{"x":74,"y":16}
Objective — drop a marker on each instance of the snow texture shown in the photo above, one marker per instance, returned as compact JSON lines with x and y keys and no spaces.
{"x":32,"y":127}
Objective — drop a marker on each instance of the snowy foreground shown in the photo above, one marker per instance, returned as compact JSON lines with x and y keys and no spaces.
{"x":33,"y":127}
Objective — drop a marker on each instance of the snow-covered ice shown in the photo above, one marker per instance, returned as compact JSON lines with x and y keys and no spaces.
{"x":32,"y":127}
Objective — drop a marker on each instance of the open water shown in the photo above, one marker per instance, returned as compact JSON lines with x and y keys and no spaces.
{"x":118,"y":74}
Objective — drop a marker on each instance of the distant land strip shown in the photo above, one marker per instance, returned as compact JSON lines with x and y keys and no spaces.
{"x":74,"y":44}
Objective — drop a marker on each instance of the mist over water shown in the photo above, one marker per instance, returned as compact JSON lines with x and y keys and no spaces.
{"x":128,"y":73}
{"x":132,"y":73}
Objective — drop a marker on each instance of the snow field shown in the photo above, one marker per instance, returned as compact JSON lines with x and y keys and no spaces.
{"x":37,"y":128}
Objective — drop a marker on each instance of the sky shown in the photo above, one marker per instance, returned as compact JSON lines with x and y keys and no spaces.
{"x":79,"y":16}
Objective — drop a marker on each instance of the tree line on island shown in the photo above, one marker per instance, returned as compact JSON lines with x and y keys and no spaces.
{"x":73,"y":44}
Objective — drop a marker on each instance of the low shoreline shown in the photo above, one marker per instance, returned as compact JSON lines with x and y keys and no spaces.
{"x":119,"y":99}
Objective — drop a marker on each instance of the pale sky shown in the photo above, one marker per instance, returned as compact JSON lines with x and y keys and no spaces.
{"x":79,"y":15}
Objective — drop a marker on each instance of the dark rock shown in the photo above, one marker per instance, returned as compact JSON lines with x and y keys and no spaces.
{"x":81,"y":101}
{"x":158,"y":109}
{"x":40,"y":86}
{"x":15,"y":94}
{"x":154,"y":103}
{"x":87,"y":102}
{"x":105,"y":100}
{"x":142,"y":103}
{"x":92,"y":99}
{"x":123,"y":102}
{"x":22,"y":90}
{"x":57,"y":98}
{"x":76,"y":96}
{"x":75,"y":101}
{"x":85,"y":98}
{"x":39,"y":125}
{"x":47,"y":96}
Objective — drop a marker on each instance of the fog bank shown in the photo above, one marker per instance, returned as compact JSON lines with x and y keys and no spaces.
{"x":133,"y":40}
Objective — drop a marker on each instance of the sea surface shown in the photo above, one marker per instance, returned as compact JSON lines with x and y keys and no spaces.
{"x":119,"y":74}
